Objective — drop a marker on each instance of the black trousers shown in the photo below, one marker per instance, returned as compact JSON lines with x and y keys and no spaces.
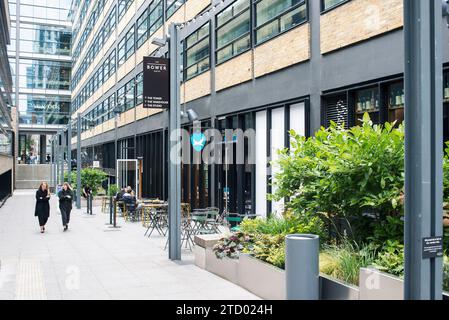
{"x":65,"y":214}
{"x":42,"y":220}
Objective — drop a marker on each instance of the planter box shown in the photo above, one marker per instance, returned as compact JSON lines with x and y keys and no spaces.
{"x":200,"y":257}
{"x":201,"y":243}
{"x":260,"y":278}
{"x":333,"y":289}
{"x":226,"y":268}
{"x":376,"y":285}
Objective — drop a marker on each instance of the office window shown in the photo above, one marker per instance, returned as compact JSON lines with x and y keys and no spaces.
{"x":129,"y":43}
{"x":276,"y":16}
{"x":121,"y":52}
{"x":112,"y":104}
{"x":233,"y":30}
{"x":173,"y":6}
{"x":197,"y":52}
{"x":396,"y":102}
{"x":123,"y":6}
{"x":329,"y":4}
{"x":156,"y":10}
{"x":143,"y":27}
{"x":110,"y":23}
{"x":367,"y":101}
{"x":121,"y":99}
{"x":129,"y":95}
{"x":106,"y":69}
{"x":139,"y":89}
{"x":112,"y":63}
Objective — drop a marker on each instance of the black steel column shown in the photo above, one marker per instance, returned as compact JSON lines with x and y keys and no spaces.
{"x":423,"y":146}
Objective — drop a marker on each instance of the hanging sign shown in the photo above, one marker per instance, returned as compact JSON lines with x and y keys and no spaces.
{"x":156,"y":83}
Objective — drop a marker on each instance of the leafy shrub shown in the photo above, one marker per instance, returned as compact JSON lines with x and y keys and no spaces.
{"x":391,"y":258}
{"x":113,"y":189}
{"x":89,"y":177}
{"x":354,"y":175}
{"x":269,"y":248}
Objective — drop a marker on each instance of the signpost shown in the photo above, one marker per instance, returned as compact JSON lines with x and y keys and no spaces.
{"x":156,"y":83}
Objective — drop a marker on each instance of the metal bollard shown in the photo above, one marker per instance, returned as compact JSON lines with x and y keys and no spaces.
{"x":91,"y":203}
{"x":110,"y":210}
{"x":302,"y":267}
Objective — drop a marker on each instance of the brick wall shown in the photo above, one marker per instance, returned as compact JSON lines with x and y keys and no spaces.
{"x":283,"y":51}
{"x":359,"y":20}
{"x":234,"y":71}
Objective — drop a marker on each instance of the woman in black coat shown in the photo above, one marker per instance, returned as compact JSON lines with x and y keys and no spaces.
{"x":42,"y":210}
{"x":65,"y":204}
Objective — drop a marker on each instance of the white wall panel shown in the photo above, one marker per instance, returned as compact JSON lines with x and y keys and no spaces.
{"x":298,"y":118}
{"x":277,"y":143}
{"x":261,"y":163}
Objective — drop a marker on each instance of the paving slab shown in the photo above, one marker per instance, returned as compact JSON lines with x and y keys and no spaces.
{"x":91,"y":262}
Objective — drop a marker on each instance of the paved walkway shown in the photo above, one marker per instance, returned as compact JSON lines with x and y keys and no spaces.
{"x":90,"y":262}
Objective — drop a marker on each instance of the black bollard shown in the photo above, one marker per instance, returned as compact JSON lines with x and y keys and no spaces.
{"x":110,"y":210}
{"x":91,"y":204}
{"x":115,"y":214}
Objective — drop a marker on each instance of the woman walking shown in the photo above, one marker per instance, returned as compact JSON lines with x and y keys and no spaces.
{"x":65,"y":204}
{"x":42,"y":210}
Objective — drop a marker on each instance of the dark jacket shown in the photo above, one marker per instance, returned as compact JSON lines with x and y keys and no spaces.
{"x":65,"y":199}
{"x":119,"y":195}
{"x":42,"y":204}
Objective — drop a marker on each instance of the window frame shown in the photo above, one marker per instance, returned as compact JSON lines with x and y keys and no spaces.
{"x":198,"y":41}
{"x":167,"y":8}
{"x":325,"y":10}
{"x":249,"y":9}
{"x":277,"y":17}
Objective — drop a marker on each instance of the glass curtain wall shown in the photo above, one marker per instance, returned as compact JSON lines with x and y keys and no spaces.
{"x":43,"y":67}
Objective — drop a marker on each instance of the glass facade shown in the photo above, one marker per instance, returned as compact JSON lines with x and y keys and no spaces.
{"x":43,"y":74}
{"x":42,"y":71}
{"x":43,"y":109}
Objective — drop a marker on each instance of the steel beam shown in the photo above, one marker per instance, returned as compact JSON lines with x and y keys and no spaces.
{"x":423,"y":146}
{"x":78,"y":161}
{"x":174,"y":187}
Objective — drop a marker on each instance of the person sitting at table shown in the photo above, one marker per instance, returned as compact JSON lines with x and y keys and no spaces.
{"x":130,"y":200}
{"x":119,"y":197}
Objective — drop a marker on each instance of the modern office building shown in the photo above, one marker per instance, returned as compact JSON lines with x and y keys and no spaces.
{"x":39,"y":55}
{"x":6,"y":119}
{"x":268,"y":65}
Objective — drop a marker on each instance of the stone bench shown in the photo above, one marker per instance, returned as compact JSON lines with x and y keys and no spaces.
{"x":203,"y":243}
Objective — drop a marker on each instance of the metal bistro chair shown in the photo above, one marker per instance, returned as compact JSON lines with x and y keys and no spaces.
{"x":130,"y":210}
{"x":212,"y":220}
{"x":200,"y":223}
{"x":105,"y":204}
